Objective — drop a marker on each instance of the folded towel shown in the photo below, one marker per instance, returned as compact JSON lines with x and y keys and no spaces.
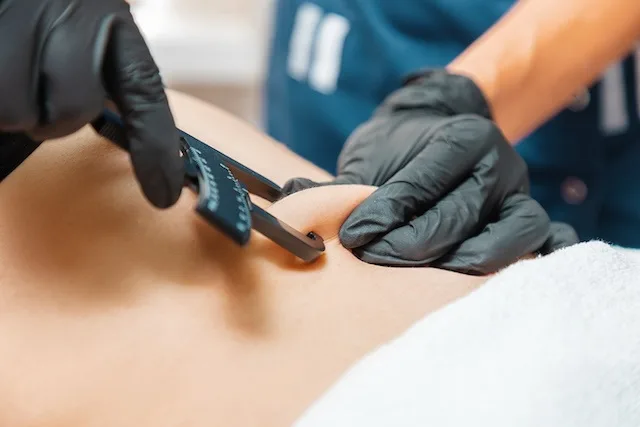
{"x":553,"y":341}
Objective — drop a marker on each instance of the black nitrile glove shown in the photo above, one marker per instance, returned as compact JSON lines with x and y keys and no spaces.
{"x":62,"y":58}
{"x":452,"y":192}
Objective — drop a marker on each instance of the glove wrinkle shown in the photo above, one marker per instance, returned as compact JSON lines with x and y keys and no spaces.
{"x":518,"y":229}
{"x":452,"y":191}
{"x":375,"y":217}
{"x":434,"y":231}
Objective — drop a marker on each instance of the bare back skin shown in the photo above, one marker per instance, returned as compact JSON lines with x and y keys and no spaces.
{"x":113,"y":313}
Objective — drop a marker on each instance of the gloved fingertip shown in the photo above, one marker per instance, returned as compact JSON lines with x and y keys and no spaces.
{"x":161,"y":177}
{"x":162,"y":196}
{"x":359,"y":230}
{"x":165,"y":200}
{"x":349,"y":237}
{"x":561,"y":235}
{"x":298,"y":184}
{"x":565,"y":232}
{"x":376,"y":215}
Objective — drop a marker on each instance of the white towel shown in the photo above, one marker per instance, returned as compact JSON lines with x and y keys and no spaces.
{"x":551,"y":342}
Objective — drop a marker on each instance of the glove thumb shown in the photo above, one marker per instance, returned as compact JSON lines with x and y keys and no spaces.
{"x":298,"y":184}
{"x":561,"y":235}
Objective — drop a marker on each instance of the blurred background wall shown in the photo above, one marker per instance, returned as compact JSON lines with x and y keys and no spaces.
{"x":212,"y":49}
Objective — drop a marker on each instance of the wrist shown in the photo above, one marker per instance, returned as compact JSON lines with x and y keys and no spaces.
{"x":451,"y":92}
{"x":495,"y":83}
{"x":484,"y":79}
{"x":533,"y":61}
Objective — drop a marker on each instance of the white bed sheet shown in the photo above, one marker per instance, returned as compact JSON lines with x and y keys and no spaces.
{"x":553,"y":341}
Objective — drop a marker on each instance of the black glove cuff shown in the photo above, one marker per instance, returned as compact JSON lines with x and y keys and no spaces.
{"x":452,"y":93}
{"x":14,"y":149}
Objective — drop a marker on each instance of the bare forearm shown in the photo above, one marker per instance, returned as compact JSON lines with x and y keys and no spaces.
{"x":543,"y":52}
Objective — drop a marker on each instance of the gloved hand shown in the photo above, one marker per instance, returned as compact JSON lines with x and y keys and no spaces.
{"x":452,"y":192}
{"x":62,"y":58}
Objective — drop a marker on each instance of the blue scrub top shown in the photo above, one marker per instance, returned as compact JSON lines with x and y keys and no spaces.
{"x":333,"y":61}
